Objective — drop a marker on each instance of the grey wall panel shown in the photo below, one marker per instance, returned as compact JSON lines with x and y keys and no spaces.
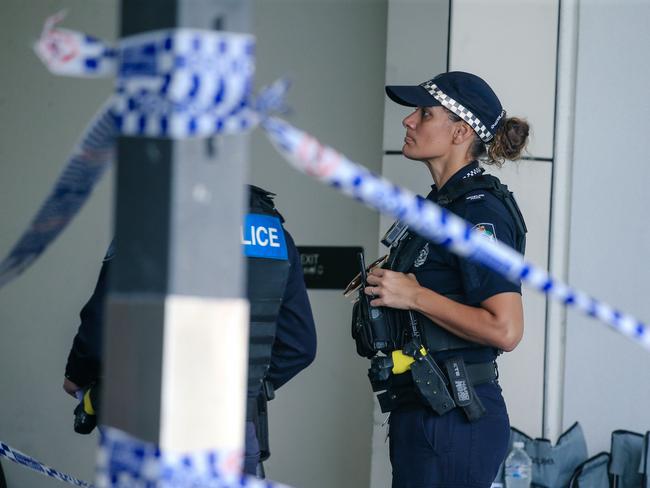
{"x":334,"y":51}
{"x":416,"y":50}
{"x":42,"y":116}
{"x":606,"y":374}
{"x":522,"y":370}
{"x":512,"y":44}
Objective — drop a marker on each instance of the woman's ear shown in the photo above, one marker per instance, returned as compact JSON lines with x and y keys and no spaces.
{"x":462,"y":132}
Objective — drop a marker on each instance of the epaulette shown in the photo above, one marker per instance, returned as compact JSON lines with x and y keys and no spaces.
{"x":261,"y":198}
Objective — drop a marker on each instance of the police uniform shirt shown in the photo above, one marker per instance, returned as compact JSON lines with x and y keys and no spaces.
{"x":471,"y":283}
{"x":294,"y":347}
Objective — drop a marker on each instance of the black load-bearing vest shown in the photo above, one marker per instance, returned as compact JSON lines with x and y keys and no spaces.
{"x":402,"y":257}
{"x":267,"y":280}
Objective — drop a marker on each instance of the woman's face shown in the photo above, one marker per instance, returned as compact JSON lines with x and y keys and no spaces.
{"x":429,"y":133}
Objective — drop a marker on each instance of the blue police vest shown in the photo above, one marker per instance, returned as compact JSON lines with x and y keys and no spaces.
{"x":265,"y":247}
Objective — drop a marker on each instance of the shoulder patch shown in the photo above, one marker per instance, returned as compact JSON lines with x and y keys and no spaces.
{"x":262,"y":237}
{"x":486,"y":230}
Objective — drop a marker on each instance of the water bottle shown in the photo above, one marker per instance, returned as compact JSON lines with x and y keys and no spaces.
{"x":518,"y":467}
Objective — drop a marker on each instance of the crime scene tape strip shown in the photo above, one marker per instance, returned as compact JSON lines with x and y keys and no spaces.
{"x":71,"y":53}
{"x":125,"y":461}
{"x":184,"y":83}
{"x":84,"y":169}
{"x":18,"y":457}
{"x":330,"y":167}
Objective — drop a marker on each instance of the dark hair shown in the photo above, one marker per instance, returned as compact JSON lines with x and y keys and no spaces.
{"x":509,"y":141}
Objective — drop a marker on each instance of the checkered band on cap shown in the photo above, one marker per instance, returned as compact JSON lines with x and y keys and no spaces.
{"x":464,"y":113}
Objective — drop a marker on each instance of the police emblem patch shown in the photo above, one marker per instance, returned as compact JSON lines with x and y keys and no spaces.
{"x":422,"y":256}
{"x":486,"y":230}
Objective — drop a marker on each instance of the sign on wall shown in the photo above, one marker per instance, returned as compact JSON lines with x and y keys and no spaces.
{"x":329,"y":267}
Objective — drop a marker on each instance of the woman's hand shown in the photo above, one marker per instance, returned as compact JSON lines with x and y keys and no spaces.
{"x":70,"y":387}
{"x":392,"y":289}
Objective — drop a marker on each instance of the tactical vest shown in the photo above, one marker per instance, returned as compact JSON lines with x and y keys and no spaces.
{"x":268,"y":272}
{"x":402,"y":256}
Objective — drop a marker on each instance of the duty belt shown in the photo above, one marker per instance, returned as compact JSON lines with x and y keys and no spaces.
{"x":456,"y":388}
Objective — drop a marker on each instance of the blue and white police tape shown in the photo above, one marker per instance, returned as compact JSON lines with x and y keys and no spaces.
{"x":170,"y":83}
{"x":125,"y":461}
{"x":85,"y":167}
{"x":327,"y":165}
{"x":177,"y":83}
{"x":71,"y":53}
{"x":185,"y":83}
{"x":18,"y":457}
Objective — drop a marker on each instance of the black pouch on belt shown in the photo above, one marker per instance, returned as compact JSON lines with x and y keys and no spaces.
{"x":374,"y":329}
{"x":380,"y":372}
{"x":429,"y":379}
{"x":462,"y":389}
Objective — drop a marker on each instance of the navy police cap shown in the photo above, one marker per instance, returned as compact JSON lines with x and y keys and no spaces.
{"x":465,"y":94}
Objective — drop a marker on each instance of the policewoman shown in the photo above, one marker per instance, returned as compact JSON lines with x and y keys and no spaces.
{"x":449,"y":425}
{"x":282,"y":338}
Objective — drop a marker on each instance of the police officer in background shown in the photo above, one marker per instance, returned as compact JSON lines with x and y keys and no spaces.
{"x":282,"y":333}
{"x":446,"y":319}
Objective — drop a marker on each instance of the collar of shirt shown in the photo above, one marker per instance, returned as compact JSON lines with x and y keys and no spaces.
{"x":470,"y":169}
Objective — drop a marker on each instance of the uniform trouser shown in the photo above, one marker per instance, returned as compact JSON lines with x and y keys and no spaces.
{"x":432,"y":451}
{"x":251,"y":450}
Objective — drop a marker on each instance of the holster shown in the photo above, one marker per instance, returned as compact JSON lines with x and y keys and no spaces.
{"x":262,"y":423}
{"x":379,"y":372}
{"x":86,"y":412}
{"x":429,"y":379}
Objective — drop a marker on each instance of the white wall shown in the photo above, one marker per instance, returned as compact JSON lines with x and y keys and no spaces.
{"x":512,"y":45}
{"x":607,"y":376}
{"x":335,"y":53}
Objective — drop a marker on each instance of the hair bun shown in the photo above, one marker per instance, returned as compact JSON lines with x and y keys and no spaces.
{"x":509,"y":141}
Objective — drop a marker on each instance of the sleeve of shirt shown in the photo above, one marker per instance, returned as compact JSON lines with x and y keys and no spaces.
{"x":295,"y":342}
{"x":84,"y":360}
{"x":491,"y":218}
